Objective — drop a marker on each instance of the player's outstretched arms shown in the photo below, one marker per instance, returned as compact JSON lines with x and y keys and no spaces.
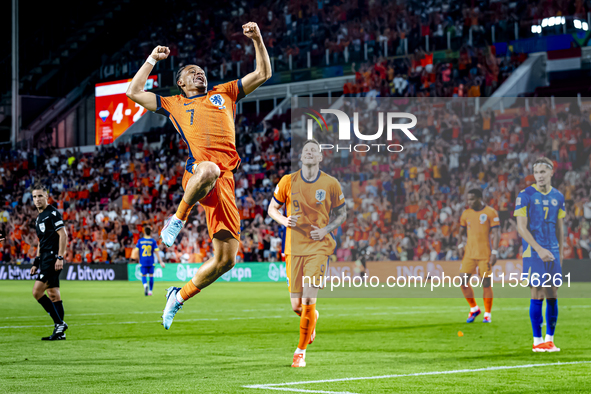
{"x":135,"y":91}
{"x":544,"y":254}
{"x":273,"y":211}
{"x":263,"y":71}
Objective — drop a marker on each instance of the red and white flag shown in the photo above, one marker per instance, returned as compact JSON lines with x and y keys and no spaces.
{"x":564,"y":59}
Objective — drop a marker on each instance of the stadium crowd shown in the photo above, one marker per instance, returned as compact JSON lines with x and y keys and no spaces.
{"x":402,"y":206}
{"x":407,"y":205}
{"x":477,"y":73}
{"x":212,"y":35}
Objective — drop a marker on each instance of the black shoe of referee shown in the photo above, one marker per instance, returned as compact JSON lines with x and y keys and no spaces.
{"x":59,"y":333}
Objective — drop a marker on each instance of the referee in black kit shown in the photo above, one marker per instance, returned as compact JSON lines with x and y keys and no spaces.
{"x":49,"y":262}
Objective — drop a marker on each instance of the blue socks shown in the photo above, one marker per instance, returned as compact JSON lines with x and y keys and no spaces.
{"x":151,"y":283}
{"x":535,"y":315}
{"x":144,"y":280}
{"x":551,"y":315}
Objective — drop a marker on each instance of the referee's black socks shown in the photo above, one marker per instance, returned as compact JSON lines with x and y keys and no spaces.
{"x":50,"y":308}
{"x":59,"y":307}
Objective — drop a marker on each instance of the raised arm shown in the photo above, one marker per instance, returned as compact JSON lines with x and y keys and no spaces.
{"x":263,"y":71}
{"x":135,"y":91}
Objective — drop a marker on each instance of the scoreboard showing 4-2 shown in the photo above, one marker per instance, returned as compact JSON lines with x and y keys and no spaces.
{"x":114,"y":111}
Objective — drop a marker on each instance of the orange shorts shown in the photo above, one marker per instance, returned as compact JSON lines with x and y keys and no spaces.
{"x":469,"y":267}
{"x":220,"y":207}
{"x":314,"y":267}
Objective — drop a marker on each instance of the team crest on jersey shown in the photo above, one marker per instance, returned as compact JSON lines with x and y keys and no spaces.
{"x":42,"y":227}
{"x":537,"y":202}
{"x":320,"y":195}
{"x":554,"y":202}
{"x":545,"y":202}
{"x":218,"y":101}
{"x":483,"y":218}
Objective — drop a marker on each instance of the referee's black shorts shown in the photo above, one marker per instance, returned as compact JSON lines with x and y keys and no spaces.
{"x":47,"y":272}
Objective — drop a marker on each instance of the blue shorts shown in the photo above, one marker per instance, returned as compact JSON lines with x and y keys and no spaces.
{"x":147,"y":269}
{"x":540,"y":267}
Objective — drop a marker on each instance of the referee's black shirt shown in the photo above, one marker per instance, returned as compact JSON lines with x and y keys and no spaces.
{"x":48,"y":223}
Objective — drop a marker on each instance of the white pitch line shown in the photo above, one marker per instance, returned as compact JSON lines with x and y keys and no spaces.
{"x":275,"y":386}
{"x":298,"y":390}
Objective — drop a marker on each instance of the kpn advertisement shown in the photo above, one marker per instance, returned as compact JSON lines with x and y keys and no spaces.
{"x":244,"y":272}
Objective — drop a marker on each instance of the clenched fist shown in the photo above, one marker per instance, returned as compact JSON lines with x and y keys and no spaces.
{"x":251,"y":30}
{"x":292,"y":221}
{"x":160,"y":53}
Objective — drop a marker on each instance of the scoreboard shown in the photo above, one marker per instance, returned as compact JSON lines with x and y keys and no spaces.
{"x":114,"y":111}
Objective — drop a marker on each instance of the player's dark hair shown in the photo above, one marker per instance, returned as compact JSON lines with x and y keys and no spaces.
{"x":177,"y":78}
{"x":477,"y":192}
{"x":312,"y":141}
{"x":147,"y":230}
{"x":39,"y":186}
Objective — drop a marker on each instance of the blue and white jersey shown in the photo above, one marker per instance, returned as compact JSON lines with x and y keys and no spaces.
{"x":542,"y":211}
{"x":148,"y":247}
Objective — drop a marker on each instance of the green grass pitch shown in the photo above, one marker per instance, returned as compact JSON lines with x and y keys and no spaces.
{"x":236,"y":335}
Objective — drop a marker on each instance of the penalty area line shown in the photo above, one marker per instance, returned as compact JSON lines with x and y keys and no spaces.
{"x":278,"y":386}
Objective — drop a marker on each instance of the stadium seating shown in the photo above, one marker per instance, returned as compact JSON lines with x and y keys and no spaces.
{"x":413,"y":214}
{"x":107,"y":195}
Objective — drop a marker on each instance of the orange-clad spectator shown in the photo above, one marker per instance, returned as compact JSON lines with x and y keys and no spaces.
{"x":97,"y":255}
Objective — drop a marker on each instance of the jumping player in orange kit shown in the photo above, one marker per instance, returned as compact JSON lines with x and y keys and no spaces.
{"x":205,"y":121}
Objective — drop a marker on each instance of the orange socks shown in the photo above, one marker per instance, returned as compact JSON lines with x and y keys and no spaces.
{"x":472,"y":302}
{"x":307,"y":324}
{"x":189,"y":290}
{"x":487,"y":294}
{"x":183,"y":210}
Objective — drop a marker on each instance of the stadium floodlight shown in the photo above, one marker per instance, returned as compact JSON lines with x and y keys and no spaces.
{"x":536,"y":29}
{"x":563,"y":20}
{"x":577,"y":24}
{"x":544,"y":22}
{"x":585,"y":26}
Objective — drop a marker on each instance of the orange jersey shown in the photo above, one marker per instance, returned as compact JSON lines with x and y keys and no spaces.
{"x":479,"y":224}
{"x":206,"y":124}
{"x":313,"y":201}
